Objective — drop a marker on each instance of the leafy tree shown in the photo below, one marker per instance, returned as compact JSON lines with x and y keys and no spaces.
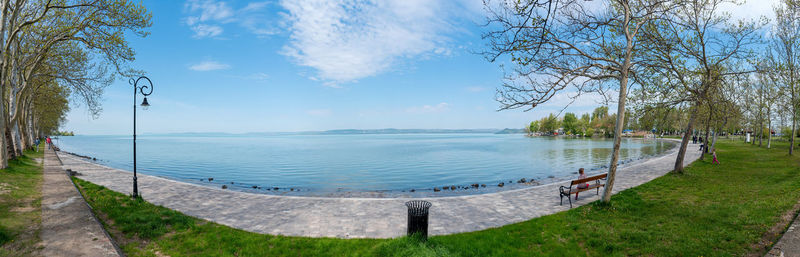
{"x":534,"y":126}
{"x":570,"y":123}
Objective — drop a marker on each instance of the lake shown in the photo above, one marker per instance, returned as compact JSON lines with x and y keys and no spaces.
{"x":383,"y":165}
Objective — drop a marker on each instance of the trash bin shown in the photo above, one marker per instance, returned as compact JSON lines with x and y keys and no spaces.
{"x":418,"y":217}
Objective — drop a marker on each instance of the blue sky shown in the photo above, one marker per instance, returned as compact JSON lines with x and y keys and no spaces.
{"x":302,"y":65}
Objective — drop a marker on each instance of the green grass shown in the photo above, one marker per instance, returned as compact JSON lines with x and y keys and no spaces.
{"x":20,"y":206}
{"x":710,"y":210}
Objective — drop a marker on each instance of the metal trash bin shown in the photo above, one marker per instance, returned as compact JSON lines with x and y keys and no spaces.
{"x":418,"y":217}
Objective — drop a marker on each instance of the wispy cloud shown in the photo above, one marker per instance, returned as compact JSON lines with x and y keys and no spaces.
{"x":475,"y":89}
{"x":258,"y":76}
{"x":441,"y":107}
{"x":346,"y":40}
{"x":209,"y":66}
{"x":207,"y":17}
{"x":319,"y":112}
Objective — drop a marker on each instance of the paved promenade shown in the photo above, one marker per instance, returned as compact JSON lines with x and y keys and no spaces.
{"x":789,"y":244}
{"x":358,"y":217}
{"x":68,"y":227}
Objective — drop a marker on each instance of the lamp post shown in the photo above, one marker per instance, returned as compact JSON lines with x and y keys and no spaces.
{"x":145,"y":105}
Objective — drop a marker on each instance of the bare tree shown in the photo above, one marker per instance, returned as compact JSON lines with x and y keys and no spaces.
{"x":785,"y":45}
{"x":696,"y":50}
{"x":569,"y":46}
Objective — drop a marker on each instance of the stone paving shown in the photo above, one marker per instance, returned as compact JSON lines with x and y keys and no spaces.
{"x":68,"y":226}
{"x":789,"y":244}
{"x":358,"y":217}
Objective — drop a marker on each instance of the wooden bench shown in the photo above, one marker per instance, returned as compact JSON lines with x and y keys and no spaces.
{"x":573,"y":187}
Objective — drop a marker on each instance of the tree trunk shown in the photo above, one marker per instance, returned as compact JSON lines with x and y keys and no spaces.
{"x":769,"y":128}
{"x":708,"y":131}
{"x":714,"y":142}
{"x":794,"y":123}
{"x":685,"y":142}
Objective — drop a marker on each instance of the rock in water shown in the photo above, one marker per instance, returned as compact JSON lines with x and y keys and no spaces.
{"x":436,"y":189}
{"x":224,"y":187}
{"x":210,"y":179}
{"x":501,"y":184}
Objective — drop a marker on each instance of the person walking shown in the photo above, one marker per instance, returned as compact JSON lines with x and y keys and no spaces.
{"x":37,"y":142}
{"x":49,"y":142}
{"x":714,"y":154}
{"x":694,"y":139}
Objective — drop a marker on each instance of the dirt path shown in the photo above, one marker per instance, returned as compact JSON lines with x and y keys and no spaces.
{"x":68,"y":227}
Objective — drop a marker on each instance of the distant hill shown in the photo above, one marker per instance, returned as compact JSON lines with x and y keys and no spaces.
{"x":511,"y":131}
{"x":349,"y":132}
{"x":403,"y":131}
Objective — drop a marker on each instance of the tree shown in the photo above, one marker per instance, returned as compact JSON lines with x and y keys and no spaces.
{"x":784,"y":56}
{"x":583,"y":124}
{"x":534,"y":126}
{"x":692,"y":54}
{"x":570,"y":123}
{"x":550,"y":124}
{"x":557,"y":45}
{"x":66,"y":42}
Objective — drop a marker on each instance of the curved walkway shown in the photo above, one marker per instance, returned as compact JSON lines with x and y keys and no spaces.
{"x":358,"y":217}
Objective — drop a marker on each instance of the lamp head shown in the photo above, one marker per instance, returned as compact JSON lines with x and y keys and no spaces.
{"x":145,"y":104}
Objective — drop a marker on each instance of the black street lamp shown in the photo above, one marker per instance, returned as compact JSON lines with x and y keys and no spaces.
{"x":145,"y":105}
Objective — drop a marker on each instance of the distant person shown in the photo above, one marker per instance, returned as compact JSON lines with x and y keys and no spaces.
{"x":714,"y":154}
{"x":37,"y":142}
{"x":694,"y":139}
{"x":581,"y":175}
{"x":49,"y":142}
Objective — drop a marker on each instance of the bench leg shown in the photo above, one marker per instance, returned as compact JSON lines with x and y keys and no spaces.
{"x":570,"y":202}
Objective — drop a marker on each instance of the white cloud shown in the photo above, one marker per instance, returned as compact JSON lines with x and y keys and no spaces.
{"x":258,"y":76}
{"x":319,"y":112}
{"x":751,"y":9}
{"x":203,"y":30}
{"x":475,"y":89}
{"x":441,"y":107}
{"x":209,"y":66}
{"x":346,"y":40}
{"x":207,"y":17}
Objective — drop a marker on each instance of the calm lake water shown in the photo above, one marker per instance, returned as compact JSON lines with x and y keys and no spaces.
{"x":359,"y":165}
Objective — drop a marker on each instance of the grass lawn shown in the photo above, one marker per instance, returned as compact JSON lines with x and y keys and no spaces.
{"x":710,"y":210}
{"x":21,"y":206}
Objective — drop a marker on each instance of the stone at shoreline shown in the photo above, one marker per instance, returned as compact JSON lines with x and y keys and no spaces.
{"x":412,"y":190}
{"x":210,"y":179}
{"x":436,"y":189}
{"x":452,"y":187}
{"x":224,"y":187}
{"x":522,"y":180}
{"x":501,"y":184}
{"x":483,"y":185}
{"x":475,"y":185}
{"x":254,"y":187}
{"x":276,"y":188}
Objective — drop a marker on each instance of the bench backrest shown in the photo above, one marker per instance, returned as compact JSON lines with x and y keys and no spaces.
{"x":592,"y":178}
